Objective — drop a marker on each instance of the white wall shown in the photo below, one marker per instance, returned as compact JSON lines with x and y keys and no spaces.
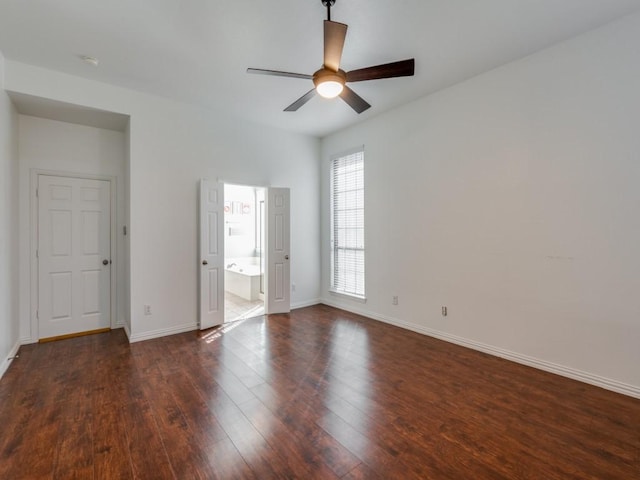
{"x":512,"y":198}
{"x":75,"y":149}
{"x":9,"y":326}
{"x":172,"y":146}
{"x":169,"y":153}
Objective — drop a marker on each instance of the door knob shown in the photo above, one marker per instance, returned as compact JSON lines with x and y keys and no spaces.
{"x":204,"y":262}
{"x":105,"y":262}
{"x":286,"y":257}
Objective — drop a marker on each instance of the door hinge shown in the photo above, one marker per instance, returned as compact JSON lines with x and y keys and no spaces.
{"x":37,"y":253}
{"x":38,"y":314}
{"x":37,"y":194}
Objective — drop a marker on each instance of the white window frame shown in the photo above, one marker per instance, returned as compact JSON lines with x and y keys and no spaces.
{"x":355,"y":251}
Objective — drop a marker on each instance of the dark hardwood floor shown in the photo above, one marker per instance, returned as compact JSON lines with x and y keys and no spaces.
{"x":319,"y":393}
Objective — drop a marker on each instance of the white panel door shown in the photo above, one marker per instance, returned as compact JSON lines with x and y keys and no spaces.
{"x":278,"y":269}
{"x":211,"y":262}
{"x":74,"y":249}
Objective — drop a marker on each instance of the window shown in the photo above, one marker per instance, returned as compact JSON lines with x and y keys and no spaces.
{"x":347,"y":223}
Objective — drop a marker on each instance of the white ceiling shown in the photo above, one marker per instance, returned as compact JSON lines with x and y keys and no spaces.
{"x":197,"y":51}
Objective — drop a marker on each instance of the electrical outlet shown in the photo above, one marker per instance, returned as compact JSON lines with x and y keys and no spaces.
{"x":444,"y":311}
{"x":394,"y":300}
{"x":293,"y":287}
{"x":147,"y":309}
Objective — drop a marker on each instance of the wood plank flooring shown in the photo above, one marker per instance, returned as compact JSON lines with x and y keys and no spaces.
{"x":317,"y":394}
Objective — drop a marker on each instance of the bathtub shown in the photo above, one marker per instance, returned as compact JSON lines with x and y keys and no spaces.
{"x":242,"y":277}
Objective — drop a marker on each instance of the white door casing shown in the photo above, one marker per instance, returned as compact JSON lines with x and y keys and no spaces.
{"x":74,"y":239}
{"x":211,"y":261}
{"x":278,"y":294}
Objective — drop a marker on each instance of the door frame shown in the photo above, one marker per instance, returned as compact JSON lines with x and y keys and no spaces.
{"x":34,"y":173}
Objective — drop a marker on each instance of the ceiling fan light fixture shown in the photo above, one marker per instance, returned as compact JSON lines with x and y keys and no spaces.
{"x":329,"y":89}
{"x":329,"y":84}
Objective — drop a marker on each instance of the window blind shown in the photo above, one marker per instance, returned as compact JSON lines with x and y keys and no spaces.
{"x":347,"y":224}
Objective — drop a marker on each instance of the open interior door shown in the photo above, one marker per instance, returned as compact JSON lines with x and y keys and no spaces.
{"x":278,"y":269}
{"x":211,"y":261}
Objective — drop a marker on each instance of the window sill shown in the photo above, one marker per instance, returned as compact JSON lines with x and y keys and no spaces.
{"x":350,"y":296}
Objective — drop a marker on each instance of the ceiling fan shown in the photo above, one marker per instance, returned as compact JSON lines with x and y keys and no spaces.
{"x":330,"y":80}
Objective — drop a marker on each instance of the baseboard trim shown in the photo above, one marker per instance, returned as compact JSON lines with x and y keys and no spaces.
{"x":162,"y":332}
{"x":127,"y":332}
{"x":9,"y":358}
{"x":27,"y":341}
{"x":305,"y":304}
{"x":575,"y":374}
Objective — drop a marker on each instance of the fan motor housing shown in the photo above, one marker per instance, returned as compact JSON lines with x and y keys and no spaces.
{"x":326,"y":75}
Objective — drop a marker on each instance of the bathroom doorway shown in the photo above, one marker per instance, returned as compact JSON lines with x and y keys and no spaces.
{"x":244,"y":252}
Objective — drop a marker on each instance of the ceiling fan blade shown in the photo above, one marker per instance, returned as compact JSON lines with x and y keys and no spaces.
{"x":334,"y":36}
{"x":403,"y":68}
{"x":278,"y":73}
{"x":354,"y":100}
{"x":301,"y":101}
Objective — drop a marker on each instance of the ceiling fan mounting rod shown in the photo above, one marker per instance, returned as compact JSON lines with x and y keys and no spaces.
{"x":328,"y":4}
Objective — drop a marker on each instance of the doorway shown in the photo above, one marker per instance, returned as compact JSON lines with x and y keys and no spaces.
{"x":244,"y":251}
{"x":269,"y":252}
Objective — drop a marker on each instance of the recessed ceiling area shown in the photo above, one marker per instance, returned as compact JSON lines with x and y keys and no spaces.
{"x":198,"y":52}
{"x":67,"y":112}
